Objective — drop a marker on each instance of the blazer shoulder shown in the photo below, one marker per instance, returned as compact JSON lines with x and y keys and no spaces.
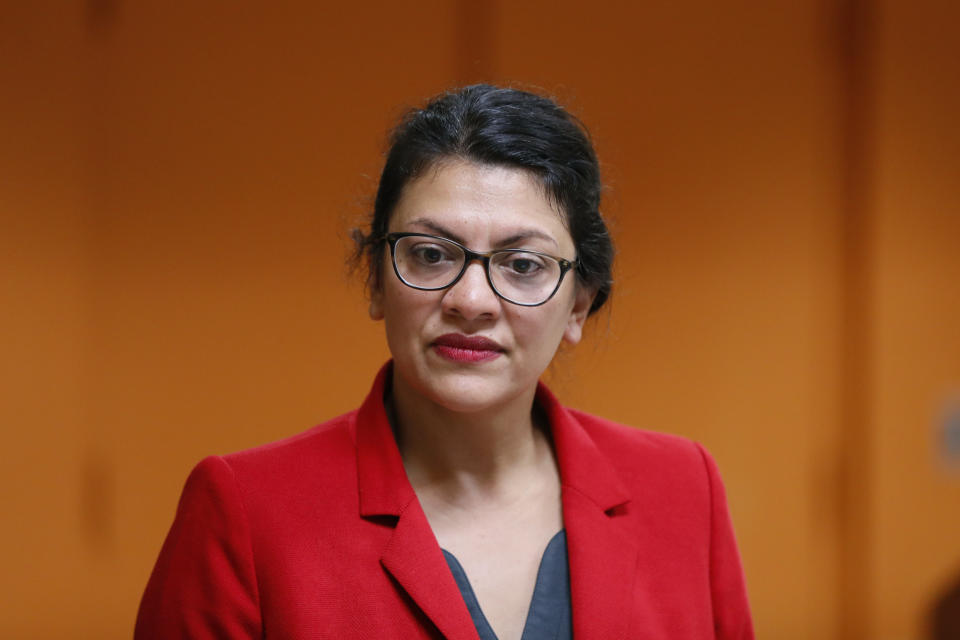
{"x":623,"y":441}
{"x":670,"y":464}
{"x":328,"y":448}
{"x":323,"y":434}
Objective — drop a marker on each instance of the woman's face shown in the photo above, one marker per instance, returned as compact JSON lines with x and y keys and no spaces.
{"x":484,"y":208}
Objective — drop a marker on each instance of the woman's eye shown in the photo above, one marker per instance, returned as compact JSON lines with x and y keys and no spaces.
{"x":429,"y":254}
{"x":524,"y":265}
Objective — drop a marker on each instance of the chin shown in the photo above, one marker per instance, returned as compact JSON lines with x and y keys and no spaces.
{"x":469,"y":393}
{"x":474,"y":404}
{"x":466,"y":391}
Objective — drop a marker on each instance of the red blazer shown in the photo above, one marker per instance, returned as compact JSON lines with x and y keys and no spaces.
{"x":321,"y":536}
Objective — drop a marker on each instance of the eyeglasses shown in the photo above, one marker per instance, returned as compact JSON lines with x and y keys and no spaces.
{"x":519,"y":276}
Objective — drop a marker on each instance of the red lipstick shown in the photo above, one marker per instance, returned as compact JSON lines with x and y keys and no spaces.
{"x":461,"y":348}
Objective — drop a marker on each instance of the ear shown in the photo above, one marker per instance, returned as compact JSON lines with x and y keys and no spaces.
{"x":376,"y":304}
{"x":578,"y":315}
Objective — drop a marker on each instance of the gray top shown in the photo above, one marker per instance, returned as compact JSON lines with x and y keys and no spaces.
{"x":549,"y":615}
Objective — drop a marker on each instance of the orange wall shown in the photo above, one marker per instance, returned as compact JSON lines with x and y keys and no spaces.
{"x":177,"y":181}
{"x":43,"y":275}
{"x":914,"y":497}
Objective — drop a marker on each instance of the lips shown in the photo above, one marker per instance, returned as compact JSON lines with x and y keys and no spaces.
{"x":461,"y":348}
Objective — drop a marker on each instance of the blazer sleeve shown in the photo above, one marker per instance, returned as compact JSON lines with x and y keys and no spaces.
{"x":204,"y":584}
{"x":731,"y":610}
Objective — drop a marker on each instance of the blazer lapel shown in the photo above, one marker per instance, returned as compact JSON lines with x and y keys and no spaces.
{"x":602,"y":555}
{"x":412,"y":555}
{"x":413,"y":558}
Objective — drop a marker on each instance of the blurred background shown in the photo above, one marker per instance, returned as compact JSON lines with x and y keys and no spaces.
{"x":177,"y":182}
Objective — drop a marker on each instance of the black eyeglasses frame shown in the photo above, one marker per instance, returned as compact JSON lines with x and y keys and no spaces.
{"x":484,"y":257}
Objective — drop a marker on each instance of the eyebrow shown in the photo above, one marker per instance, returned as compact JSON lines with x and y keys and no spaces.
{"x":523,"y":234}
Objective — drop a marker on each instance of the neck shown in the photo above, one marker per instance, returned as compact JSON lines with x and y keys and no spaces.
{"x":483,"y":455}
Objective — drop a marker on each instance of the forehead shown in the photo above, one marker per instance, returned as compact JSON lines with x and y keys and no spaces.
{"x":480,"y":202}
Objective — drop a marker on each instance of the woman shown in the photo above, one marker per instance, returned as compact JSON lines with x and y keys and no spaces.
{"x":461,"y":500}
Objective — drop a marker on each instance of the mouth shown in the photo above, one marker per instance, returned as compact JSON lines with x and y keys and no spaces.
{"x":460,"y":348}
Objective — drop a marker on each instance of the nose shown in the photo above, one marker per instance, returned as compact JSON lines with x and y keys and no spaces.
{"x":472,"y":297}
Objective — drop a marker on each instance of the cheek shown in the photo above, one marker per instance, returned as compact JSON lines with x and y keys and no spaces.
{"x":405,"y":312}
{"x":541,"y":331}
{"x":560,"y":319}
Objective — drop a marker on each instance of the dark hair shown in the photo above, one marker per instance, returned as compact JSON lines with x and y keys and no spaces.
{"x":503,"y":127}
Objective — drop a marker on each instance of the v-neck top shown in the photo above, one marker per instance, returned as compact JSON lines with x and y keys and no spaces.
{"x":548,"y":617}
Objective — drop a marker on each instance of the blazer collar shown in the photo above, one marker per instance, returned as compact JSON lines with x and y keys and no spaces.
{"x":383,"y":484}
{"x":382,"y":480}
{"x":583,"y":468}
{"x":601,"y":552}
{"x":411,"y":555}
